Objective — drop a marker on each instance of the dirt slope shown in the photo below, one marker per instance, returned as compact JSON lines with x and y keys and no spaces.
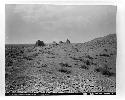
{"x":62,"y":68}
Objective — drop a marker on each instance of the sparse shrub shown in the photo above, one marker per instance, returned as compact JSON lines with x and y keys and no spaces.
{"x":9,"y":62}
{"x":49,"y":71}
{"x":93,"y":63}
{"x":108,"y":73}
{"x":28,"y":57}
{"x":105,"y":50}
{"x":52,"y":57}
{"x":29,"y":50}
{"x":84,"y":67}
{"x":35,"y":54}
{"x":44,"y":65}
{"x":76,"y":49}
{"x":98,"y":69}
{"x":105,"y":71}
{"x":106,"y":67}
{"x":38,"y":62}
{"x":7,"y":75}
{"x":21,"y":51}
{"x":75,"y":64}
{"x":10,"y":88}
{"x":87,"y":62}
{"x":63,"y":70}
{"x":88,"y":56}
{"x":64,"y":65}
{"x":76,"y":58}
{"x":105,"y":55}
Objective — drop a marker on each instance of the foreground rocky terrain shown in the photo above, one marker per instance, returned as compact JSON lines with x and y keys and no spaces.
{"x":62,"y":67}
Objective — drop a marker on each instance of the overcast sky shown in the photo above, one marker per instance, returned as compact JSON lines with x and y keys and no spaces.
{"x":26,"y":23}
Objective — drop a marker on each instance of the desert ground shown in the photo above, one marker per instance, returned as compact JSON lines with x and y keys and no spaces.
{"x":62,"y":67}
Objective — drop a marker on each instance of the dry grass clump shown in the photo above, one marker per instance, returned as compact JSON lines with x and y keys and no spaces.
{"x":84,"y":67}
{"x":64,"y":65}
{"x":64,"y":70}
{"x":105,"y":71}
{"x":44,"y":65}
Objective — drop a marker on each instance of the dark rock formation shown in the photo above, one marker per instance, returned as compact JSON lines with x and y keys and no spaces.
{"x":39,"y":43}
{"x":67,"y":41}
{"x":60,"y":42}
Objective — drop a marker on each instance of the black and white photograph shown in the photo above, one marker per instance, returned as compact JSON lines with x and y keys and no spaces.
{"x":53,"y":49}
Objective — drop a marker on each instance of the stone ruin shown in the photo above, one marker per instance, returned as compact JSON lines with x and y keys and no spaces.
{"x":67,"y":41}
{"x":54,"y":43}
{"x":60,"y":42}
{"x":39,"y":43}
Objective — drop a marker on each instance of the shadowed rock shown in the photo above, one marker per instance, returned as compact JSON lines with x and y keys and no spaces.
{"x":60,"y":42}
{"x":54,"y":43}
{"x":39,"y":43}
{"x":67,"y":41}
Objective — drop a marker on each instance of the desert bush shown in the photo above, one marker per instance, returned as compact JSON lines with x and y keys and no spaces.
{"x":44,"y":65}
{"x":8,"y":62}
{"x":35,"y":54}
{"x":76,"y":58}
{"x":63,"y":70}
{"x":87,"y":62}
{"x":105,"y":71}
{"x":64,"y":65}
{"x":97,"y":69}
{"x":88,"y":56}
{"x":105,"y":55}
{"x":105,"y":50}
{"x":76,"y":49}
{"x":84,"y":67}
{"x":108,"y":73}
{"x":28,"y":57}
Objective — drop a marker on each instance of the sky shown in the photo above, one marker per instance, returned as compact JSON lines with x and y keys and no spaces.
{"x":27,"y":23}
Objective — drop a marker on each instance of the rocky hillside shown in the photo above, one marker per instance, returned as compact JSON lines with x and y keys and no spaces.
{"x":63,"y":67}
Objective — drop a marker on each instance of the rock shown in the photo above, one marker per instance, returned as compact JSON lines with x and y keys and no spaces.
{"x":60,"y":42}
{"x":39,"y":43}
{"x":67,"y":41}
{"x":54,"y":44}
